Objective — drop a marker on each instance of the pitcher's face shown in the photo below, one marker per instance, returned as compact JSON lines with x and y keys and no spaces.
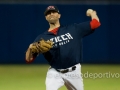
{"x":52,"y":16}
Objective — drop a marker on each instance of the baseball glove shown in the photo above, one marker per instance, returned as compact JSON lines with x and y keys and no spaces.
{"x":41,"y":47}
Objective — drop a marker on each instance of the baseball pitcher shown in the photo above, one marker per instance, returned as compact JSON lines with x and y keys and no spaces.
{"x":62,"y":47}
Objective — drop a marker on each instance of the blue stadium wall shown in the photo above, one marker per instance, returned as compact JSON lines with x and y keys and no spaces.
{"x":21,"y":23}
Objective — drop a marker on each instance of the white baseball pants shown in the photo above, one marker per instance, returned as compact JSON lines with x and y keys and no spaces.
{"x":72,"y":80}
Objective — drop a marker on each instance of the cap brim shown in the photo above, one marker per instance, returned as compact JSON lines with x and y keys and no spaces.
{"x":49,"y":10}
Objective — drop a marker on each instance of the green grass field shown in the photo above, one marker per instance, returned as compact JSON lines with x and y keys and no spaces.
{"x":32,"y":77}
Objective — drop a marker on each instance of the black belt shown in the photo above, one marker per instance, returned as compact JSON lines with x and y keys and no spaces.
{"x":66,"y":70}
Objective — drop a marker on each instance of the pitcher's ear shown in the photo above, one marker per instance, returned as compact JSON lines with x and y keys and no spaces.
{"x":59,"y":15}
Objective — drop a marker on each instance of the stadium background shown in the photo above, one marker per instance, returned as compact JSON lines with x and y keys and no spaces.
{"x":22,"y":20}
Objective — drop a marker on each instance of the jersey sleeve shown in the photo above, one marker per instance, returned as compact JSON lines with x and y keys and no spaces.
{"x":38,"y":38}
{"x":84,"y":28}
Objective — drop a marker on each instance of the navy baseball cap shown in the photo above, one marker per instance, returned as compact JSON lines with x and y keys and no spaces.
{"x":51,"y":8}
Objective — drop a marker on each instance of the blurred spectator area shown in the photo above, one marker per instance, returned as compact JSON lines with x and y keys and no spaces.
{"x":62,"y":1}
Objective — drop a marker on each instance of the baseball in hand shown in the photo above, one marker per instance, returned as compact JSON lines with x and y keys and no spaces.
{"x":89,"y":11}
